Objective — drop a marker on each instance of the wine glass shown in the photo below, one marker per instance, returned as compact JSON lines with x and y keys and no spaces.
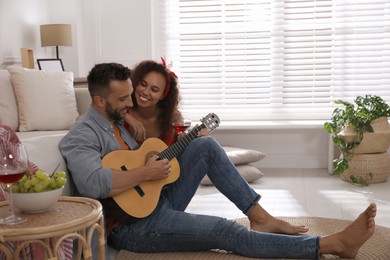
{"x":13,"y":166}
{"x":181,"y":122}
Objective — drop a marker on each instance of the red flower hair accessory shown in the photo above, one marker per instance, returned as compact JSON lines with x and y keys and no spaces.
{"x":170,"y":74}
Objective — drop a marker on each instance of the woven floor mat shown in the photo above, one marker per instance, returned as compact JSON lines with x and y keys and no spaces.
{"x":376,"y":248}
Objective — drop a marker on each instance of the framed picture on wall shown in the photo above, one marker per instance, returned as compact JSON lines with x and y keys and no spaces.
{"x":50,"y":65}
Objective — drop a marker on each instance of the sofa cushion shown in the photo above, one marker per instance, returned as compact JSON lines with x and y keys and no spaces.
{"x":249,"y":172}
{"x":8,"y":105}
{"x":242,"y":156}
{"x":46,"y":100}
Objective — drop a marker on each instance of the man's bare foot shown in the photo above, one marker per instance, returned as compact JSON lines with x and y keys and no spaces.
{"x":347,"y":242}
{"x":260,"y":220}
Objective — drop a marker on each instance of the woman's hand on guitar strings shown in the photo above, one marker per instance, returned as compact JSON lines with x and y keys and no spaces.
{"x":203,"y":132}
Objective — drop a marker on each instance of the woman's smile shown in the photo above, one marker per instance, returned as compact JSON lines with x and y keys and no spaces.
{"x":144,"y":98}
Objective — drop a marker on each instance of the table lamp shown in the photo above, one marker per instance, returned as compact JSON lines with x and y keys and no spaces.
{"x":56,"y":35}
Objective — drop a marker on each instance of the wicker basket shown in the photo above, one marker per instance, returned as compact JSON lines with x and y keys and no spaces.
{"x":375,"y":142}
{"x":361,"y":165}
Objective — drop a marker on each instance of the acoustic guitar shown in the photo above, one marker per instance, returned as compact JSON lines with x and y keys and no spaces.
{"x":141,"y":200}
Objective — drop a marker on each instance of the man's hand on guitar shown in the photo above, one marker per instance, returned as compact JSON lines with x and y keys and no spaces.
{"x":157,"y":169}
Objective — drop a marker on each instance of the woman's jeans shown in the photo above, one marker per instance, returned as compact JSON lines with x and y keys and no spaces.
{"x":170,"y":229}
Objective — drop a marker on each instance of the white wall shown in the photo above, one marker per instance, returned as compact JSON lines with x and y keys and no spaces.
{"x":284,"y":148}
{"x":19,"y":28}
{"x":102,"y":31}
{"x":118,"y":31}
{"x":123,"y":31}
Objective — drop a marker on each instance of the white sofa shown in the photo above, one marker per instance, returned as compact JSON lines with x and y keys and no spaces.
{"x":42,"y":145}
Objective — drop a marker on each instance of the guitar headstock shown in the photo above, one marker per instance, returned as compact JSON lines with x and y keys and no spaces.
{"x":211,"y":121}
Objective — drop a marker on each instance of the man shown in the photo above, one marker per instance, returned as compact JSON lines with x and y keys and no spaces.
{"x":168,"y":227}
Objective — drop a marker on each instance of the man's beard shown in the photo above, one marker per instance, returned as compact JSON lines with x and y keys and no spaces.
{"x":112,"y":113}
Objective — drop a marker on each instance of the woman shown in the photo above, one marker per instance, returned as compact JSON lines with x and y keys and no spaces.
{"x":156,"y":101}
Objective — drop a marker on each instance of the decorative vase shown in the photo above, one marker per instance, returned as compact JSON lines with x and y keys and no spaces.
{"x":372,"y":142}
{"x":371,"y":168}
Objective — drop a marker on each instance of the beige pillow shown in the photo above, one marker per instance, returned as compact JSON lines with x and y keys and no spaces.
{"x":8,"y":105}
{"x":242,"y":156}
{"x":46,"y":100}
{"x":249,"y":172}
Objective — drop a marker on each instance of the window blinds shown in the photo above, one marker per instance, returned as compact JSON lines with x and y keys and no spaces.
{"x":273,"y":59}
{"x":361,"y":48}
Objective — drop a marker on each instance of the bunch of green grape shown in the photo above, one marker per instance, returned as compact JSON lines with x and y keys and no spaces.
{"x":40,"y":181}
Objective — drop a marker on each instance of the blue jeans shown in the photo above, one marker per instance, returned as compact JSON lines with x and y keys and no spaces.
{"x":170,"y":229}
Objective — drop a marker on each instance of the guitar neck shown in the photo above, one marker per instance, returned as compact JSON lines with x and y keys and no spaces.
{"x":178,"y":147}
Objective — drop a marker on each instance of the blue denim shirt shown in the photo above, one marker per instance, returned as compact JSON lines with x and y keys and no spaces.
{"x":86,"y":143}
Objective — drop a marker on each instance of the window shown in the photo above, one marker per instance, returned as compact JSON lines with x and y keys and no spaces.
{"x":272,"y":59}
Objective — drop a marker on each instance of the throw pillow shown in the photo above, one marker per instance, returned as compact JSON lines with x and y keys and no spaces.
{"x":249,"y":172}
{"x":46,"y":100}
{"x":242,"y":156}
{"x":8,"y":105}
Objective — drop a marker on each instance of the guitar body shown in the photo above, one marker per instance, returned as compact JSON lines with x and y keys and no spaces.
{"x":141,"y":200}
{"x":131,"y":201}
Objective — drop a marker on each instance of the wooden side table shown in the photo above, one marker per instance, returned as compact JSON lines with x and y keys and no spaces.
{"x":74,"y":217}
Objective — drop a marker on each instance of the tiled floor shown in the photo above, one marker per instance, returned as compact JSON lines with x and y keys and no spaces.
{"x":301,"y":192}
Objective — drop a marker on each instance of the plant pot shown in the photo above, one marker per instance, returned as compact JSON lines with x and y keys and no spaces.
{"x":372,"y":142}
{"x":361,"y":166}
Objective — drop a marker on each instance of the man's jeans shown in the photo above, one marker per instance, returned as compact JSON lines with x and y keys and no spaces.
{"x":170,"y":229}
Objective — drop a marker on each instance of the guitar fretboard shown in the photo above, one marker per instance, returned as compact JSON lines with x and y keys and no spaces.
{"x":175,"y":149}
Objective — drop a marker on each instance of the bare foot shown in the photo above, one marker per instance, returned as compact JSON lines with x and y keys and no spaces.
{"x":260,"y":220}
{"x":347,"y":242}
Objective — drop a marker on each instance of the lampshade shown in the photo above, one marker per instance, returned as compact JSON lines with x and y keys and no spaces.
{"x":56,"y":35}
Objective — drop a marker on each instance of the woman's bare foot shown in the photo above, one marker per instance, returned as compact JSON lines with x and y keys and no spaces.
{"x":260,"y":220}
{"x":347,"y":242}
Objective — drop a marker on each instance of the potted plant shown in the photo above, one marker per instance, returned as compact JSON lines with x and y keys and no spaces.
{"x":364,"y":120}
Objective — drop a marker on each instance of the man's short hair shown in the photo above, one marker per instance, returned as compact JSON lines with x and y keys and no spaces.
{"x":101,"y":75}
